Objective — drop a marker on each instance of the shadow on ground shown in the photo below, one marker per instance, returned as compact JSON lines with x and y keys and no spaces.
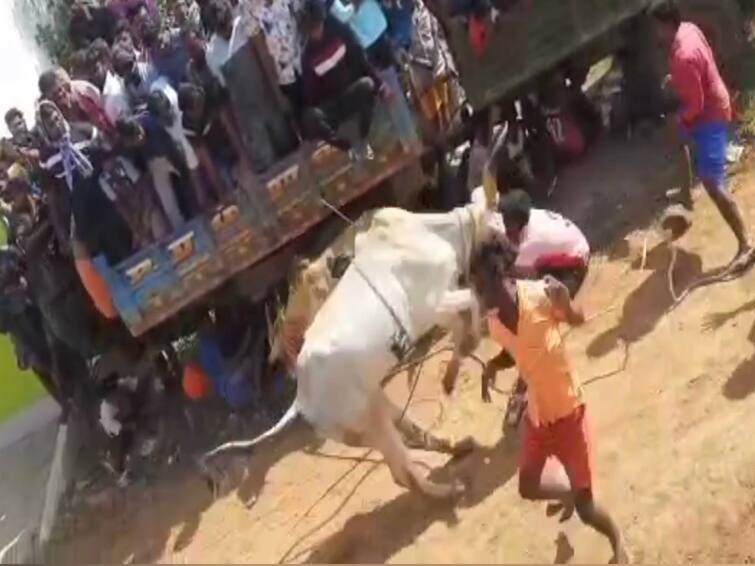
{"x":645,"y":306}
{"x":375,"y":536}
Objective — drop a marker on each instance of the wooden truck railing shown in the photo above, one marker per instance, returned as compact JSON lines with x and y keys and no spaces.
{"x":250,"y":225}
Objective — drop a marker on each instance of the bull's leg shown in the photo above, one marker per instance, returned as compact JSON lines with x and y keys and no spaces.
{"x":384,"y":437}
{"x":417,"y":438}
{"x":465,"y":329}
{"x":457,"y":303}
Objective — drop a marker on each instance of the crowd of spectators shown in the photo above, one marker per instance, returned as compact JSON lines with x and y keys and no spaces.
{"x":150,"y":120}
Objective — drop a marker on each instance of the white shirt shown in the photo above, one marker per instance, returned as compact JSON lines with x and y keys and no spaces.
{"x":547,"y":234}
{"x":115,"y":98}
{"x":550,"y":234}
{"x":219,"y":50}
{"x":176,"y":129}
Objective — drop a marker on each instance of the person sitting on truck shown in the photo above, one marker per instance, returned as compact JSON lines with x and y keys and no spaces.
{"x":704,"y":112}
{"x":79,"y":101}
{"x":152,"y":150}
{"x":124,"y":36}
{"x":138,"y":77}
{"x":399,"y":14}
{"x":166,"y":49}
{"x":144,"y":83}
{"x":213,"y":135}
{"x":339,"y":82}
{"x":22,"y":148}
{"x":71,"y":161}
{"x":229,"y":34}
{"x":370,"y":26}
{"x":115,"y":99}
{"x":90,"y":21}
{"x":276,"y":20}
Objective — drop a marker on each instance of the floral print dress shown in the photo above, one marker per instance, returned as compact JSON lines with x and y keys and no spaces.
{"x":276,"y":19}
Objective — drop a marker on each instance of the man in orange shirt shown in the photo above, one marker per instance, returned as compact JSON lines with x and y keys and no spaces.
{"x":524,"y":318}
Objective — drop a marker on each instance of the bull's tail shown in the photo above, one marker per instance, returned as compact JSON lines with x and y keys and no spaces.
{"x":285,"y":421}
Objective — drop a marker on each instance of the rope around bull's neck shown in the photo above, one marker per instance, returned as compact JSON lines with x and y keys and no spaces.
{"x":363,"y":275}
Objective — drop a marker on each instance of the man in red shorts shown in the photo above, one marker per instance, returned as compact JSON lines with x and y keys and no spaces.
{"x":545,"y":243}
{"x":524,"y":319}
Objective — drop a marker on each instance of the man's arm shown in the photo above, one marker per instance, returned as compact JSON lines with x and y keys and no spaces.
{"x":357,"y":55}
{"x":564,"y":309}
{"x":689,"y":88}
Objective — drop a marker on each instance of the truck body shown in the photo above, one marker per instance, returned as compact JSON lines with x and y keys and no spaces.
{"x":246,"y":235}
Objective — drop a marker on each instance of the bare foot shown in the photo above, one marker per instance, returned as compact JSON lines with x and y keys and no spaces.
{"x":744,"y":258}
{"x":566,"y":510}
{"x":621,"y":556}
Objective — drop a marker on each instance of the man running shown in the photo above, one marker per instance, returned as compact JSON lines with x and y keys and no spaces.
{"x":545,"y":243}
{"x":524,"y":318}
{"x":704,"y":114}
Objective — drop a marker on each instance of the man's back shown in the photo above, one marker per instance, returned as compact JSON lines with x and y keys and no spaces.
{"x":696,"y":78}
{"x":549,"y":237}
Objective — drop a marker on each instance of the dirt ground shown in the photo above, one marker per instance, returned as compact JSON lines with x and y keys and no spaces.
{"x":670,"y":397}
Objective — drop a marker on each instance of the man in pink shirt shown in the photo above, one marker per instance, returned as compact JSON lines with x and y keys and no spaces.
{"x":704,"y":110}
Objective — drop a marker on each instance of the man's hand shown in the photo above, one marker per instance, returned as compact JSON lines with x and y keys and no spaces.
{"x":562,"y":303}
{"x":385,"y":92}
{"x":557,"y":291}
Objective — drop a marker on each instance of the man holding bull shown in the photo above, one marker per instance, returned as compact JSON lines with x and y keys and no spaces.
{"x":524,"y":317}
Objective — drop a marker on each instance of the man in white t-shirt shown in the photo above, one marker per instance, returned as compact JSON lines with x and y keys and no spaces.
{"x":230,"y":33}
{"x":546,"y":242}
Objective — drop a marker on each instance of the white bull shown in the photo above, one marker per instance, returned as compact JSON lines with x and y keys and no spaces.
{"x":403,"y":281}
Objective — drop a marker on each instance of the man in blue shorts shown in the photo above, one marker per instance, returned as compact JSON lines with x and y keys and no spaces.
{"x":705,"y":110}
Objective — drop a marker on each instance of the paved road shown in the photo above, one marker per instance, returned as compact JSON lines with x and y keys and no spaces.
{"x":27,"y":444}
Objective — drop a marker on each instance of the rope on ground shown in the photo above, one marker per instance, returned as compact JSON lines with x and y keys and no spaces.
{"x":331,"y":487}
{"x":643,"y":261}
{"x":736,"y":269}
{"x":617,"y":371}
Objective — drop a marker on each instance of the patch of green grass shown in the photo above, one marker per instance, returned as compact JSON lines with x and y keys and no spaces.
{"x":17,"y":389}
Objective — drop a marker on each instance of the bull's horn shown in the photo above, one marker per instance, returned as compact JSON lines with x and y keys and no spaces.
{"x":490,"y":188}
{"x":287,"y":419}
